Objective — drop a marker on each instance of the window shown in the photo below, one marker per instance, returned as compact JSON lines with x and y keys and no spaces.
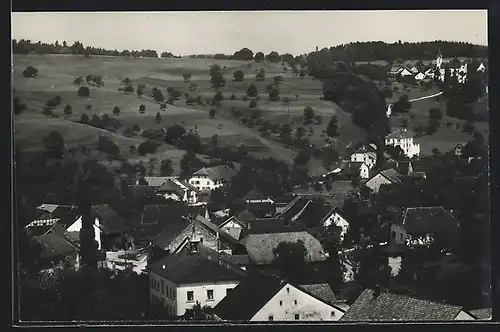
{"x":210,"y":294}
{"x":297,"y":316}
{"x":333,"y":314}
{"x":288,"y":290}
{"x":295,"y":302}
{"x":190,"y":296}
{"x":271,"y":318}
{"x":281,"y":303}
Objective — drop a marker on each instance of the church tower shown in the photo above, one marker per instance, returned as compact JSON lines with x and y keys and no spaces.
{"x":439,"y":60}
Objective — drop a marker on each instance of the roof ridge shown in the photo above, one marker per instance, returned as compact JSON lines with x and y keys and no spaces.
{"x":421,"y":299}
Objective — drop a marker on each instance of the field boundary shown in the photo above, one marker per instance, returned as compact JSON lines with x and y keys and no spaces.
{"x":426,"y":97}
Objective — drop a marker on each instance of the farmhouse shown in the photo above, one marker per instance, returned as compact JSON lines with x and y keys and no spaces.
{"x":209,"y":178}
{"x":277,"y":300}
{"x":334,"y":217}
{"x":421,"y":226}
{"x":181,"y":280}
{"x":385,"y":177}
{"x":405,"y":140}
{"x":366,"y":156}
{"x":377,"y":305}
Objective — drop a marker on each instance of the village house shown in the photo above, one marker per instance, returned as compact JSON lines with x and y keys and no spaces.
{"x":383,"y":306}
{"x":277,"y":300}
{"x":405,"y":72}
{"x":210,"y":178}
{"x":234,"y":226}
{"x":419,"y":77}
{"x":294,"y":209}
{"x":366,"y":156}
{"x":182,"y":280}
{"x":152,"y":181}
{"x":405,"y":140}
{"x":58,"y":247}
{"x":385,"y":177}
{"x":358,"y":169}
{"x":109,"y":228}
{"x":177,"y":232}
{"x":334,"y":217}
{"x":260,"y":247}
{"x":421,"y":226}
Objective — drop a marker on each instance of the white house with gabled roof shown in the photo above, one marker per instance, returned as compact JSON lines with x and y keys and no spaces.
{"x":405,"y":140}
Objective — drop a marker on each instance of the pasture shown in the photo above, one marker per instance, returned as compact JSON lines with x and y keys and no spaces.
{"x":58,"y":72}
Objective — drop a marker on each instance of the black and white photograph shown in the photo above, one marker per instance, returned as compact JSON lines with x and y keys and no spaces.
{"x":251,"y":166}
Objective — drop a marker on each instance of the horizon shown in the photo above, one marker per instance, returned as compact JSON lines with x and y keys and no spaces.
{"x":297,"y":34}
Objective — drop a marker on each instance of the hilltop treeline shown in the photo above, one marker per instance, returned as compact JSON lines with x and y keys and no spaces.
{"x":372,"y":51}
{"x":24,"y":46}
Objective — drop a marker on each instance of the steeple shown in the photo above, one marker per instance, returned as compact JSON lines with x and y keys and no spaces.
{"x":439,"y":59}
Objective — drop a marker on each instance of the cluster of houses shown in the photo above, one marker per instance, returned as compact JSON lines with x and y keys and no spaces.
{"x":227,"y":261}
{"x":422,"y":73}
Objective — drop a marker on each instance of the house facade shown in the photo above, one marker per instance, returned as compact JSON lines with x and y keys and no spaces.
{"x":405,"y":140}
{"x":386,"y":177}
{"x":77,"y":226}
{"x":293,"y":304}
{"x":334,"y":217}
{"x":234,"y":227}
{"x":210,"y":178}
{"x":369,"y":158}
{"x":180,"y":281}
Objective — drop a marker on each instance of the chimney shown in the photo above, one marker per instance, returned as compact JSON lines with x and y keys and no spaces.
{"x":376,"y":291}
{"x":193,"y":245}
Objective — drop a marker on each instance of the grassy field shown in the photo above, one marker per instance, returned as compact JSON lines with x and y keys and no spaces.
{"x":57,"y":73}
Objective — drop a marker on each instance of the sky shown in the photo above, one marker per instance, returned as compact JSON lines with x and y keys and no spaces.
{"x":296,"y":32}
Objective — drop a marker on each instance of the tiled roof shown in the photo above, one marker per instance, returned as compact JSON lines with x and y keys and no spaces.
{"x":396,"y":307}
{"x":171,"y":187}
{"x":243,"y":223}
{"x":54,"y":245}
{"x":392,"y":175}
{"x":481,"y":314}
{"x":110,"y":221}
{"x":228,"y":239}
{"x":400,"y":134}
{"x":420,"y":221}
{"x":251,"y":294}
{"x":67,"y":215}
{"x":266,"y":225}
{"x":260,"y":247}
{"x":190,"y":268}
{"x":322,"y":291}
{"x":171,"y":228}
{"x":402,"y":167}
{"x":295,"y":208}
{"x":48,"y":207}
{"x":220,"y":172}
{"x":38,"y":230}
{"x":155,"y":181}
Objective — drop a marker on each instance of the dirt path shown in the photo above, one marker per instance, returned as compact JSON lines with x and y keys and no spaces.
{"x":427,"y":97}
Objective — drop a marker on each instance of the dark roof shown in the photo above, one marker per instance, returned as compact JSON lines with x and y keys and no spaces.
{"x":396,"y":307}
{"x":245,"y":216}
{"x":293,"y":211}
{"x":54,"y":245}
{"x":402,"y":167}
{"x":322,"y":291}
{"x":420,"y":221}
{"x":110,"y":221}
{"x":189,"y":268}
{"x":38,"y":230}
{"x":171,"y":228}
{"x":228,"y":239}
{"x":329,"y":213}
{"x":243,"y":223}
{"x":392,"y":175}
{"x":260,"y":247}
{"x":156,"y":214}
{"x":251,"y":294}
{"x":171,"y":187}
{"x":264,"y":225}
{"x":219,"y":172}
{"x":67,"y":215}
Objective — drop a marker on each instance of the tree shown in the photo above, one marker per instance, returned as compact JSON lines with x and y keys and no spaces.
{"x":332,"y":129}
{"x":68,"y":110}
{"x":302,"y":158}
{"x":277,"y":79}
{"x":273,"y":57}
{"x":30,"y":71}
{"x":142,"y":108}
{"x":238,"y":75}
{"x":126,"y":80}
{"x":105,"y":144}
{"x":259,"y":57}
{"x":166,"y":167}
{"x":116,"y":110}
{"x":158,"y":117}
{"x":261,"y":75}
{"x":174,"y":133}
{"x":158,"y":95}
{"x":88,"y":107}
{"x":215,"y":141}
{"x":218,"y":97}
{"x":54,"y":143}
{"x":308,"y":113}
{"x":216,"y":77}
{"x":212,"y":113}
{"x":274,"y":94}
{"x":187,"y":77}
{"x":402,"y":105}
{"x":252,"y":91}
{"x":147,"y":147}
{"x":140,"y":91}
{"x":300,"y":132}
{"x":252,"y":104}
{"x":84,"y":91}
{"x":435,"y":114}
{"x":84,"y":119}
{"x":244,"y":54}
{"x":290,"y":257}
{"x":98,"y":81}
{"x":132,"y":148}
{"x":302,"y":74}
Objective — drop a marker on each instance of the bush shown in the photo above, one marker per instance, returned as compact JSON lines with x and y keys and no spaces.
{"x":252,"y":104}
{"x":274,"y":94}
{"x":127,"y":80}
{"x":238,"y":75}
{"x":218,"y":97}
{"x":147,"y":147}
{"x":261,"y":75}
{"x":252,"y":91}
{"x":68,"y":110}
{"x":84,"y":91}
{"x":233,"y":97}
{"x":30,"y":71}
{"x":84,"y":119}
{"x":308,"y":113}
{"x":54,"y":143}
{"x":212,"y":112}
{"x":158,"y":117}
{"x":129,"y":88}
{"x":116,"y":110}
{"x":142,"y":109}
{"x":278,"y":79}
